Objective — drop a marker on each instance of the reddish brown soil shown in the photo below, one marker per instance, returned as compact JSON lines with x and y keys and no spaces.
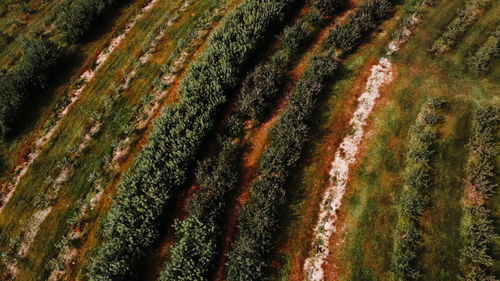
{"x":297,"y":247}
{"x":255,"y":141}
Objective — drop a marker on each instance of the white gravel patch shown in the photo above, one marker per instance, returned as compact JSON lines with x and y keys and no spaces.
{"x":381,"y":74}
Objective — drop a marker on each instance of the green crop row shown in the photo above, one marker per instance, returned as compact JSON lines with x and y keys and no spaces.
{"x":160,"y":169}
{"x":258,"y":221}
{"x":417,"y":183}
{"x":193,"y":255}
{"x":477,"y":229}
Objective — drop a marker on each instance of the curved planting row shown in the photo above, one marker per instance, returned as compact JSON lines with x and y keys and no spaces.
{"x":131,"y":225}
{"x":196,"y":249}
{"x":457,"y":26}
{"x":486,"y":53}
{"x":477,"y":228}
{"x":258,"y":221}
{"x":417,"y":182}
{"x":261,"y":87}
{"x":42,"y":56}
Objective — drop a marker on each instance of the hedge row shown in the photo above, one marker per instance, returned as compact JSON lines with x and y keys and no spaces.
{"x":350,"y":35}
{"x":486,"y":53}
{"x":417,"y":182}
{"x":193,"y":255}
{"x":42,"y":56}
{"x":79,"y":16}
{"x":457,"y":26}
{"x":262,"y":85}
{"x":28,"y":77}
{"x":258,"y":221}
{"x":160,"y":169}
{"x":477,"y":229}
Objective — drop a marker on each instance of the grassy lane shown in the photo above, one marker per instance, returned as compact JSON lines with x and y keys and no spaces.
{"x":330,"y":125}
{"x":369,"y":210}
{"x":125,"y":111}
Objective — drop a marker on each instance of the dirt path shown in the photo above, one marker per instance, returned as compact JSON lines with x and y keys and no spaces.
{"x":345,"y":157}
{"x":381,"y":74}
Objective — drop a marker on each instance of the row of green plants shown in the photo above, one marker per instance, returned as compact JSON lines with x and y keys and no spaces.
{"x":477,"y":229}
{"x":193,"y":255}
{"x":160,"y":170}
{"x":348,"y":36}
{"x":259,"y":219}
{"x":490,"y":49}
{"x":28,"y":77}
{"x":42,"y":56}
{"x":413,"y":10}
{"x":262,"y":85}
{"x":457,"y":26}
{"x":418,"y":181}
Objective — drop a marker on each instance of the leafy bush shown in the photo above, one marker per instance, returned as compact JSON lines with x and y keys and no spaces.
{"x":488,"y":51}
{"x":348,"y":36}
{"x":194,"y":253}
{"x":327,"y":7}
{"x":77,"y":18}
{"x":477,"y":230}
{"x":160,"y":168}
{"x":40,"y":57}
{"x":417,"y":181}
{"x":262,"y":86}
{"x":259,"y":89}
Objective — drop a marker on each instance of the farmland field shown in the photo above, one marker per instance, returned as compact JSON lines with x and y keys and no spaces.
{"x":249,"y":140}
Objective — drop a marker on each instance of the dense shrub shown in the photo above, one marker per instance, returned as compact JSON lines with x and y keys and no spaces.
{"x":457,"y":26}
{"x":327,"y":7}
{"x":16,"y":86}
{"x":160,"y":169}
{"x":259,"y":89}
{"x":348,"y":36}
{"x":477,"y":229}
{"x":488,"y":51}
{"x":417,"y":182}
{"x":194,"y":253}
{"x":262,"y":85}
{"x":258,"y":221}
{"x":76,"y":19}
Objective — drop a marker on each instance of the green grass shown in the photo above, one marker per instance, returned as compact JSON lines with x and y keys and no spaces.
{"x":369,"y":212}
{"x":369,"y":203}
{"x":305,"y":189}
